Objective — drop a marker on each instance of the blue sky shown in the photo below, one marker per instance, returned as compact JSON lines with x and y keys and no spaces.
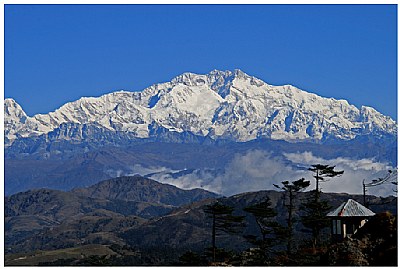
{"x":59,"y":53}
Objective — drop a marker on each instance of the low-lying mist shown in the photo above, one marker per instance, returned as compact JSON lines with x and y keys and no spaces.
{"x":258,"y":170}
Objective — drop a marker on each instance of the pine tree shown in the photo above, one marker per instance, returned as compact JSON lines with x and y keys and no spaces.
{"x":263,"y":214}
{"x":315,"y":210}
{"x":314,"y":218}
{"x":291,"y":190}
{"x":323,"y":173}
{"x":223,"y":221}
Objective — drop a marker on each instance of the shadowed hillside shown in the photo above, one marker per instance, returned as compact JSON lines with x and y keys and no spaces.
{"x":139,"y":221}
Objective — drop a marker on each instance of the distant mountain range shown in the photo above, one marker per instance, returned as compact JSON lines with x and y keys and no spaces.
{"x":194,"y":125}
{"x":219,"y":105}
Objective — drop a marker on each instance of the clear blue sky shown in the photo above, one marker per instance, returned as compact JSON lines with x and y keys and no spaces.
{"x":59,"y":53}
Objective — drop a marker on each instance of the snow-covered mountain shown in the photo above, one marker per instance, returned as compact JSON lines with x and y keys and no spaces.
{"x":221,"y":104}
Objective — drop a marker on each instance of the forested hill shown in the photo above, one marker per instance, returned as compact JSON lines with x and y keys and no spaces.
{"x":143,"y":228}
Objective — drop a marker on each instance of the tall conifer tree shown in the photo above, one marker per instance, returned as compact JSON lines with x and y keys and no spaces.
{"x":291,"y":190}
{"x":223,"y":221}
{"x":315,"y":210}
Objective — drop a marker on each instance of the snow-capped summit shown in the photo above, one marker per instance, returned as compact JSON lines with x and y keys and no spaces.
{"x":12,"y":110}
{"x":220,"y":104}
{"x":17,"y":123}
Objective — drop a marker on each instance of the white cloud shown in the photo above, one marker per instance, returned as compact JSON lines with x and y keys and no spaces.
{"x":258,"y":170}
{"x":142,"y":170}
{"x":355,"y":171}
{"x":255,"y":170}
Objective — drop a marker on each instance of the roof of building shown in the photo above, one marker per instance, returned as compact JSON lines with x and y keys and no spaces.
{"x":351,"y":209}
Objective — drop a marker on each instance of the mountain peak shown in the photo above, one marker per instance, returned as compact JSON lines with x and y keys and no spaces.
{"x":221,"y":104}
{"x":189,"y":79}
{"x":193,"y":79}
{"x":12,"y":109}
{"x":9,"y":101}
{"x":239,"y":73}
{"x":236,"y":72}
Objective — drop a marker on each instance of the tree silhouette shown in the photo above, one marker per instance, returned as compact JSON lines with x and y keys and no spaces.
{"x":315,"y":210}
{"x":323,"y":173}
{"x":314,"y":218}
{"x":262,"y":212}
{"x":291,"y":190}
{"x":222,"y":222}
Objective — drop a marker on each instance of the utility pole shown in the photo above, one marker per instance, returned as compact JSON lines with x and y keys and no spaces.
{"x":364,"y":191}
{"x":391,"y":175}
{"x":213,"y":236}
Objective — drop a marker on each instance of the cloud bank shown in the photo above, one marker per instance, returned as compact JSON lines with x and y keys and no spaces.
{"x":355,"y":171}
{"x":258,"y":170}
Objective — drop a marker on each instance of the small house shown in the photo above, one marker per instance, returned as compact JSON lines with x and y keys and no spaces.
{"x":347,"y":219}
